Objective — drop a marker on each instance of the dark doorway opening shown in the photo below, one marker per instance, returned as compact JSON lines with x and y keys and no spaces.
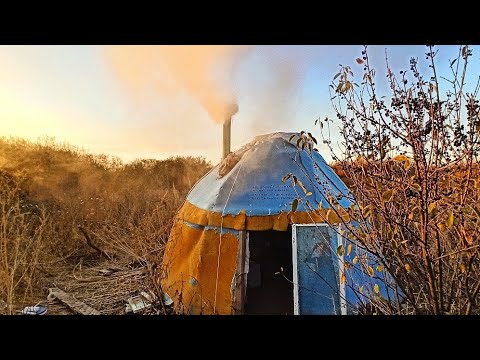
{"x":269,"y":286}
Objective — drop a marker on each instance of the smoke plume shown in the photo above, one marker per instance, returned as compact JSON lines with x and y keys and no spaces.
{"x":203,"y":72}
{"x":165,"y":82}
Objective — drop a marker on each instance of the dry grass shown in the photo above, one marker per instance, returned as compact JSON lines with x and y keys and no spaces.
{"x":49,"y":191}
{"x":23,"y":231}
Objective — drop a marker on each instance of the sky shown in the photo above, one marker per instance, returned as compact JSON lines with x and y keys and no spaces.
{"x":160,"y":101}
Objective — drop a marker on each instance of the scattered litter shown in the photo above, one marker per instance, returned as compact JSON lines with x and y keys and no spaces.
{"x":150,"y":297}
{"x":105,"y":272}
{"x":34,"y":310}
{"x":128,"y":309}
{"x":106,"y":294}
{"x":167,"y":300}
{"x":138,"y":303}
{"x":141,"y":302}
{"x":74,"y":304}
{"x":110,"y":270}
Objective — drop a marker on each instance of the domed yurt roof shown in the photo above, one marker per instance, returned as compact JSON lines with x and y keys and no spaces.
{"x":248,"y":185}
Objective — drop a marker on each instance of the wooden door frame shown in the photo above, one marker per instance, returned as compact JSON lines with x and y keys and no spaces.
{"x":239,"y":285}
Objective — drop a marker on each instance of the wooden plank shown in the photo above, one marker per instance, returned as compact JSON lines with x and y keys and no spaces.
{"x":240,"y":277}
{"x":69,"y":300}
{"x":296,"y":307}
{"x":341,"y":267}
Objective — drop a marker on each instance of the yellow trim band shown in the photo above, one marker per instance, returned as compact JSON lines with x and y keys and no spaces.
{"x":279,"y":222}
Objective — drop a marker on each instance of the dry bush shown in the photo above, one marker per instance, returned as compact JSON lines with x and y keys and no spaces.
{"x":125,"y":209}
{"x":23,"y":232}
{"x":410,"y":158}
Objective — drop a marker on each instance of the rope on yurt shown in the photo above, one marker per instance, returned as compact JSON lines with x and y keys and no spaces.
{"x":221,"y":232}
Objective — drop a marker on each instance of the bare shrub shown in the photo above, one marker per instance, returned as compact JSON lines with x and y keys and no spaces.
{"x":23,"y":232}
{"x":410,"y":158}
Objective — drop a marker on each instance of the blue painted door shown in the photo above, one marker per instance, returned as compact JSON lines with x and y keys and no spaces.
{"x":316,"y":274}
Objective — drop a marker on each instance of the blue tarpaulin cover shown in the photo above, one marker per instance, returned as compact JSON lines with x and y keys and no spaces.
{"x":254,"y":183}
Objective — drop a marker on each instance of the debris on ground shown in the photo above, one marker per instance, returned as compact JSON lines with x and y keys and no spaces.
{"x":109,"y":271}
{"x":34,"y":310}
{"x":3,"y":304}
{"x":137,"y":304}
{"x":167,"y":300}
{"x":141,"y":302}
{"x":69,"y":300}
{"x":106,"y":285}
{"x":105,"y":272}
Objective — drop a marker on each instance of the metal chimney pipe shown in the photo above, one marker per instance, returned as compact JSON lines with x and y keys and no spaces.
{"x":227,"y":132}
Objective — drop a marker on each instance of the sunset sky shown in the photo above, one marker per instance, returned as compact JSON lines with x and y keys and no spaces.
{"x":141,"y":102}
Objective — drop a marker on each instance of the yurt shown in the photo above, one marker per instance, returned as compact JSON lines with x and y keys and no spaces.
{"x":239,"y":246}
